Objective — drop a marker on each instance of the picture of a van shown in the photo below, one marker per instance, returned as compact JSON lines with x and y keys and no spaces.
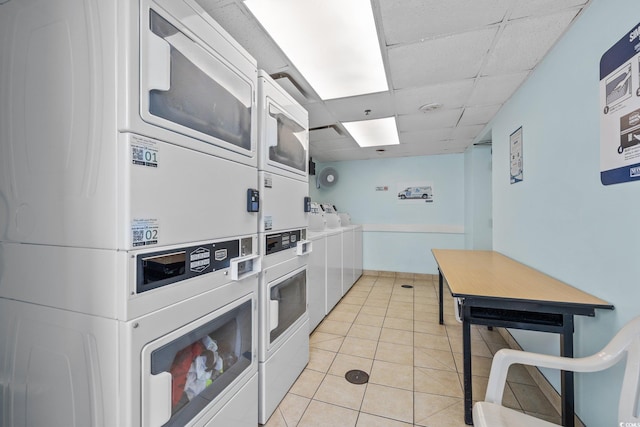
{"x":416,"y":193}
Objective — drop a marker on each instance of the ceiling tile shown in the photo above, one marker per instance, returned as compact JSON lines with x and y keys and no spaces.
{"x":526,"y":8}
{"x":490,"y":90}
{"x":353,"y":108}
{"x":467,"y":132}
{"x":450,"y":95}
{"x":425,"y":137}
{"x":406,"y":21}
{"x":441,"y":60}
{"x":325,"y":134}
{"x":431,"y":120}
{"x":478,"y":115}
{"x":524,"y":42}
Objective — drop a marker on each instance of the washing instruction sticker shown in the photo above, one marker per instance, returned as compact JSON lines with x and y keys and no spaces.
{"x":620,"y":110}
{"x":144,"y":232}
{"x":268,"y":222}
{"x":515,"y":150}
{"x":144,"y":152}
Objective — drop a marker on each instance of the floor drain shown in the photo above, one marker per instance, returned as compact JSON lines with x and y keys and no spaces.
{"x":407,"y":286}
{"x":357,"y":377}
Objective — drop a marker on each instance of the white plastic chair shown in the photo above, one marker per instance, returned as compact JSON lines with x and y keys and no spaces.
{"x":491,"y":413}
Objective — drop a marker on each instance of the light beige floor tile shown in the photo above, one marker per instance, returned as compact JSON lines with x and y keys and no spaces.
{"x":324,"y":341}
{"x":341,"y":316}
{"x":531,"y":399}
{"x":320,"y":414}
{"x":397,"y":297}
{"x":555,"y":419}
{"x":392,"y":375}
{"x":431,"y":318}
{"x":435,"y":381}
{"x":388,"y":402}
{"x":427,"y":406}
{"x":365,"y":332}
{"x":452,"y":416}
{"x":519,"y":374}
{"x":478,"y":347}
{"x":400,"y":306}
{"x":333,"y":327}
{"x":307,"y":383}
{"x":292,"y":407}
{"x":479,"y":390}
{"x":359,"y":347}
{"x":491,"y":335}
{"x":396,"y":336}
{"x":455,"y":333}
{"x":433,"y":359}
{"x":403,"y":324}
{"x":338,"y":391}
{"x":344,"y":307}
{"x":399,"y":313}
{"x":375,"y":311}
{"x":376,"y":302}
{"x":344,"y":363}
{"x":354,"y":299}
{"x":358,"y":293}
{"x":368,"y":420}
{"x":276,"y":419}
{"x":494,"y":347}
{"x":480,"y":366}
{"x":434,"y":342}
{"x":395,"y":353}
{"x":320,"y":360}
{"x":370,"y":320}
{"x":429,"y":327}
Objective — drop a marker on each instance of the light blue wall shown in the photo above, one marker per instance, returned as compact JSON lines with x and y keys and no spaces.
{"x":355,"y":193}
{"x":561,"y":219}
{"x":478,"y":230}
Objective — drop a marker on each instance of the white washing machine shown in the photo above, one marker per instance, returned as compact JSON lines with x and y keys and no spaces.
{"x":284,"y":321}
{"x":334,"y":267}
{"x":317,"y":279}
{"x":116,"y":117}
{"x":192,"y":363}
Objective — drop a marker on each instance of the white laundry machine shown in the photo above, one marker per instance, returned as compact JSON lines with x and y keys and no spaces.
{"x":122,"y":124}
{"x":284,"y":209}
{"x":192,"y":363}
{"x":284,"y":321}
{"x":317,"y":278}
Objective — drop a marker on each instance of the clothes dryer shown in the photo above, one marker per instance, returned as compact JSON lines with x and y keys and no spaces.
{"x":123,"y":123}
{"x":192,"y":363}
{"x":284,"y":321}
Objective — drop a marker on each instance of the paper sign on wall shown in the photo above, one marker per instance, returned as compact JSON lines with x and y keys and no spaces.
{"x":416,"y":192}
{"x":620,"y":110}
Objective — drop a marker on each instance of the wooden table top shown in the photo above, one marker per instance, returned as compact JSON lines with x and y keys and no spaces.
{"x":491,"y":274}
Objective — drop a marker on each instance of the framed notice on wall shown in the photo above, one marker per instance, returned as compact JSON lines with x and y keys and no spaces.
{"x":515,"y":154}
{"x":620,"y":110}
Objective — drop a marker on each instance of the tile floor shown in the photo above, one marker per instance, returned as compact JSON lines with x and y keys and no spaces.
{"x":415,"y":364}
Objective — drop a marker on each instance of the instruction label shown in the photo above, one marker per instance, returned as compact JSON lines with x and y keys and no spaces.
{"x":620,"y":110}
{"x":144,"y":232}
{"x":144,"y":152}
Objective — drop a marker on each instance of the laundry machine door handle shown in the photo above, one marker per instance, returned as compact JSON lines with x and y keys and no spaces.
{"x":159,"y":409}
{"x":274,"y":305}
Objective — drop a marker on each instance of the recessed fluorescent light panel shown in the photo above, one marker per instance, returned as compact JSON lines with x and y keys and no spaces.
{"x":372,"y":133}
{"x":333,"y":43}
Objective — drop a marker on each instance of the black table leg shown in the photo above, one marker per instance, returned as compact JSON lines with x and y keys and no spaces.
{"x":466,"y":363}
{"x":566,"y":377}
{"x":440,"y":299}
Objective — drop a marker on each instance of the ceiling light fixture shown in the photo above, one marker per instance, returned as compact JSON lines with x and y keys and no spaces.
{"x":430,"y":107}
{"x":372,"y":133}
{"x":333,"y":43}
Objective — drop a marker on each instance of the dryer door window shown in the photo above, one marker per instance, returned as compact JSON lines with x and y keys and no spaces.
{"x":188,"y":89}
{"x":288,"y":149}
{"x":288,"y":302}
{"x":204,"y":361}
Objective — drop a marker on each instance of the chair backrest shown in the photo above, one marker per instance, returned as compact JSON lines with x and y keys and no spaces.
{"x":628,"y":340}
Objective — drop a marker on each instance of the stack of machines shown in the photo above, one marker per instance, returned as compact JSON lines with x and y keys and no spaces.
{"x":285,"y":205}
{"x":336,"y":261}
{"x":129,"y":209}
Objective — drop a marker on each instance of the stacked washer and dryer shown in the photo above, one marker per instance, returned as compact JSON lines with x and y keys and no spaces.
{"x":285,"y":205}
{"x":129,"y":250}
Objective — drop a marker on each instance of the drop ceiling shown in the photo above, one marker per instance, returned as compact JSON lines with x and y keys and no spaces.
{"x":468,"y":56}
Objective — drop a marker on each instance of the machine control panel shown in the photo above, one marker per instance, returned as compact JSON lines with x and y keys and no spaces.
{"x":161,"y":268}
{"x":284,"y":240}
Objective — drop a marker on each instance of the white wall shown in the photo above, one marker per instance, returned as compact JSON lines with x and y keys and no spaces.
{"x":399,"y":236}
{"x":561,"y":219}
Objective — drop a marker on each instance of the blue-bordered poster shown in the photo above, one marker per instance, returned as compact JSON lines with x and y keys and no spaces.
{"x":515,"y":153}
{"x":620,"y":110}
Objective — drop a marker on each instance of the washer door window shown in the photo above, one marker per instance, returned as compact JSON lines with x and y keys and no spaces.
{"x":287,"y":142}
{"x":287,"y":303}
{"x":186,"y":88}
{"x":196,"y":367}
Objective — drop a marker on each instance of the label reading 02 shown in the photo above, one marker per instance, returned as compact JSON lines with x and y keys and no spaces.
{"x":144,"y":232}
